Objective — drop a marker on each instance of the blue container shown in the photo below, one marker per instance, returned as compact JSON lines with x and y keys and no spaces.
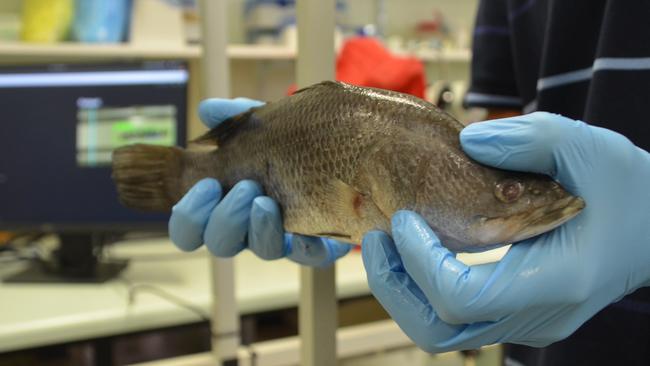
{"x":101,"y":21}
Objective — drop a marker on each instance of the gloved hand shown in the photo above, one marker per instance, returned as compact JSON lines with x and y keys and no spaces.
{"x":545,"y":287}
{"x":245,"y":218}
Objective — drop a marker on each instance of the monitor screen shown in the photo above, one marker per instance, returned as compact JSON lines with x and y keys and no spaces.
{"x":58,"y":127}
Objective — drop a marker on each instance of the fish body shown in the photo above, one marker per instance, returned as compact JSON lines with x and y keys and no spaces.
{"x":341,"y":160}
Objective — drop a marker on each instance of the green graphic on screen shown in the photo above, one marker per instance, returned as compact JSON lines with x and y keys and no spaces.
{"x":102,"y":130}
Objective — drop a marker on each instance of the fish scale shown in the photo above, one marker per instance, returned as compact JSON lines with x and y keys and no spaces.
{"x":341,"y":160}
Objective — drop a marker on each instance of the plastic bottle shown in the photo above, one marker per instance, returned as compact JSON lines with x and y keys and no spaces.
{"x":101,"y":21}
{"x":46,"y":20}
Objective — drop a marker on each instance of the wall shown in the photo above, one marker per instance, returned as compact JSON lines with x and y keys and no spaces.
{"x":10,"y":6}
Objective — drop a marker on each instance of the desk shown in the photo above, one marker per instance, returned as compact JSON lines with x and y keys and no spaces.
{"x":33,"y":315}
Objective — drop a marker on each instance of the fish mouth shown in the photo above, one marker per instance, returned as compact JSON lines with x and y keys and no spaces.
{"x":521,"y":226}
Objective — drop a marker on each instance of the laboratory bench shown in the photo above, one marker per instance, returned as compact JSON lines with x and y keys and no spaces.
{"x":145,"y":299}
{"x":38,"y":315}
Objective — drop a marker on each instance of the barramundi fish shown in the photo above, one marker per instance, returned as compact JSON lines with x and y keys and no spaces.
{"x":340,"y":160}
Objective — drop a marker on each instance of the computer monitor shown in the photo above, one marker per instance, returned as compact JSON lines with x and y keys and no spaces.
{"x":59,"y":124}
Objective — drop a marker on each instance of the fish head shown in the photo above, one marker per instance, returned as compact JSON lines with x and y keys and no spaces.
{"x":520,"y":207}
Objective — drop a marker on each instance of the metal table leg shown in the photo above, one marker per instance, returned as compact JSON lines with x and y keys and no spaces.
{"x":317,"y":309}
{"x":216,"y":83}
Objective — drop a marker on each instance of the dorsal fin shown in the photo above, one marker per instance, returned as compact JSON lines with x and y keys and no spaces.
{"x":325,"y":83}
{"x":224,"y":130}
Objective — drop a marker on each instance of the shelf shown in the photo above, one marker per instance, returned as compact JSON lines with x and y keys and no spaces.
{"x":24,"y":51}
{"x":12,"y":51}
{"x":16,"y":51}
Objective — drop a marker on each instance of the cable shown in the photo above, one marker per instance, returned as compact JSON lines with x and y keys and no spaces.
{"x":133,"y":289}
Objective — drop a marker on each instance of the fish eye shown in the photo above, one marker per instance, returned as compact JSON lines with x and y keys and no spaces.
{"x":509,"y":190}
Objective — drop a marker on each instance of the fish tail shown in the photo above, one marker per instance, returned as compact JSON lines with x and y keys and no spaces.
{"x":148,"y":177}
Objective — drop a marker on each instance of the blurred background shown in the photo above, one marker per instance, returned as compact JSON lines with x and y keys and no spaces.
{"x":88,"y":282}
{"x":262,"y":35}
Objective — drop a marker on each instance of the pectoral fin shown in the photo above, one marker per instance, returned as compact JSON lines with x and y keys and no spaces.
{"x":347,"y":201}
{"x":356,"y":209}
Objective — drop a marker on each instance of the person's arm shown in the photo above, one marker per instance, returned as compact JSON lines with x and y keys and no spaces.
{"x":244,"y":218}
{"x":545,"y":287}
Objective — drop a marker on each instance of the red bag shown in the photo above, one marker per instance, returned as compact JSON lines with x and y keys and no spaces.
{"x":364,"y":61}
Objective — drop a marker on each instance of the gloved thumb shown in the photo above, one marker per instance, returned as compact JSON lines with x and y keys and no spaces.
{"x":539,"y":143}
{"x":216,"y":110}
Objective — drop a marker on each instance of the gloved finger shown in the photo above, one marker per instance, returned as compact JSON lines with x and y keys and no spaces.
{"x":536,"y":327}
{"x":443,"y":278}
{"x":225,"y":234}
{"x":266,"y":233}
{"x":336,"y":249}
{"x":461,"y":294}
{"x":398,"y":293}
{"x":216,"y":110}
{"x":314,"y":251}
{"x":527,"y":274}
{"x":190,"y":215}
{"x":538,"y":142}
{"x":477,"y":335}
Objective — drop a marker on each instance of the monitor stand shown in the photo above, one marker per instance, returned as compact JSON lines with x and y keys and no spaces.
{"x":77,"y":260}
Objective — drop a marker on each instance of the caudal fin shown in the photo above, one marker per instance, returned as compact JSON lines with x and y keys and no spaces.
{"x":148,"y":177}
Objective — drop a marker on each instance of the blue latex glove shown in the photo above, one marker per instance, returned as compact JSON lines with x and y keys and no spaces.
{"x":544,"y":288}
{"x":244,"y":218}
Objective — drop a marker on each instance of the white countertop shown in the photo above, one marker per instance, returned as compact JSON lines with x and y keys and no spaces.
{"x":33,"y":315}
